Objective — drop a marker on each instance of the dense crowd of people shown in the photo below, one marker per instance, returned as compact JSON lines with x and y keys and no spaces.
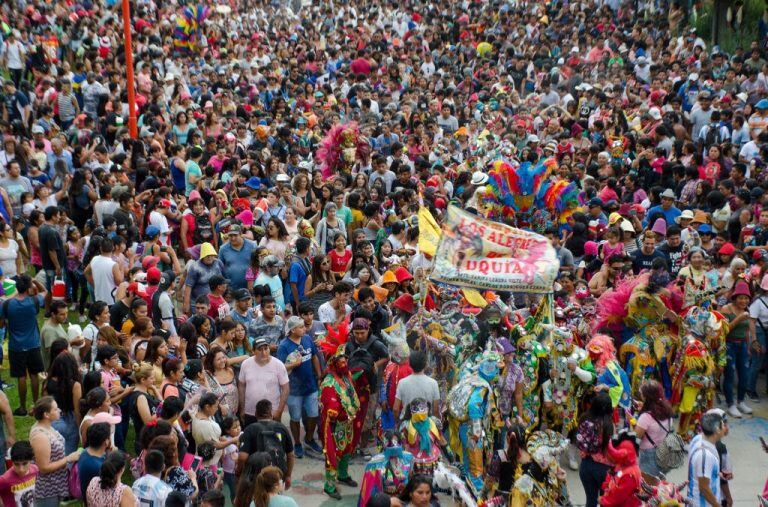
{"x":260,"y":247}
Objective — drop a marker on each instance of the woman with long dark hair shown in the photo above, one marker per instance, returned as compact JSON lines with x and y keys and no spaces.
{"x":418,"y":492}
{"x":653,"y":425}
{"x":107,"y":490}
{"x":64,"y":383}
{"x":504,"y":461}
{"x":593,"y":435}
{"x":82,"y":196}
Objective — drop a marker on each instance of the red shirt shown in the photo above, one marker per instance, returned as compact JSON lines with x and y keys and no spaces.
{"x":219,"y":307}
{"x":15,"y":490}
{"x":360,"y":66}
{"x":339,"y":262}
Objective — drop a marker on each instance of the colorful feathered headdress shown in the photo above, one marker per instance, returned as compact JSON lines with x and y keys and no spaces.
{"x":188,"y":27}
{"x":342,"y":146}
{"x":524,"y":194}
{"x":333,"y":345}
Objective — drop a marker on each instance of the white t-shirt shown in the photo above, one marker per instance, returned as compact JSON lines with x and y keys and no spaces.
{"x":327,"y":314}
{"x":8,"y":256}
{"x":103,"y":279}
{"x":158,"y":219}
{"x":759,"y":310}
{"x":151,"y":491}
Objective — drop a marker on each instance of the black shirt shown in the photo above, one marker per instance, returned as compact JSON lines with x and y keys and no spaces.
{"x":249,"y":440}
{"x":118,"y":312}
{"x":641,"y":261}
{"x":50,"y":240}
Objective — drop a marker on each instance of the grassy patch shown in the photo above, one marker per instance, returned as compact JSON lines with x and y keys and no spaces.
{"x":730,"y":38}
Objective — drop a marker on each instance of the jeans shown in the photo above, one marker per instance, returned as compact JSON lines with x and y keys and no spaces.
{"x":648,"y":462}
{"x":67,"y":426}
{"x":50,"y":501}
{"x":592,"y":475}
{"x":231,"y":482}
{"x":736,"y":365}
{"x":756,"y":361}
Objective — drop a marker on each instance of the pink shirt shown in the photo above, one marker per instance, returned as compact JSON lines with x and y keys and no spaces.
{"x":652,"y":429}
{"x":262,"y":382}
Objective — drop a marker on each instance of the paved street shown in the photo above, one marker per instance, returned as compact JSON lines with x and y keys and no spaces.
{"x":750,"y":467}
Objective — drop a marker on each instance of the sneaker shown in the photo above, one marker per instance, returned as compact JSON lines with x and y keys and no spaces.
{"x":82,"y":319}
{"x":744,"y":408}
{"x":313,"y":446}
{"x":349,"y":481}
{"x":734,"y":412}
{"x":753,"y":397}
{"x":20,"y":412}
{"x":298,"y":451}
{"x":334,"y":493}
{"x":5,"y":385}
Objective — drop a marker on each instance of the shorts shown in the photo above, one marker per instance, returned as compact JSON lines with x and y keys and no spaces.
{"x":25,"y":361}
{"x":307,"y":405}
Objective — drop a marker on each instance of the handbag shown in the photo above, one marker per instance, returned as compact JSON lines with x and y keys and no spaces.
{"x":73,"y":481}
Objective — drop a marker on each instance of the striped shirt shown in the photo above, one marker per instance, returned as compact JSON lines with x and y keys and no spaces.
{"x":703,"y":461}
{"x":66,"y":105}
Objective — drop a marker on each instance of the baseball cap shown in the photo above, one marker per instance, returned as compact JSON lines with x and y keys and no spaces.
{"x":271,"y":261}
{"x":293,"y":323}
{"x":595,"y":201}
{"x":149,"y":261}
{"x":152,"y":231}
{"x":37,"y":129}
{"x":154,"y":275}
{"x":260,"y":342}
{"x":242,"y":294}
{"x":235,"y":229}
{"x":106,"y":417}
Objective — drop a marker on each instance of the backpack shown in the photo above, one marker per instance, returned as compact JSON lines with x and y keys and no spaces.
{"x":362,"y":360}
{"x":670,"y":453}
{"x":713,"y":135}
{"x":270,"y":440}
{"x":203,"y":232}
{"x":73,"y":481}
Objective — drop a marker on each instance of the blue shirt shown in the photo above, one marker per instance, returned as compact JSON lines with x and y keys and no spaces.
{"x":21,"y":321}
{"x":198,"y":276}
{"x":298,"y":275}
{"x":302,"y":379}
{"x":669,"y":215}
{"x":88,"y":467}
{"x":52,"y":158}
{"x":236,"y":263}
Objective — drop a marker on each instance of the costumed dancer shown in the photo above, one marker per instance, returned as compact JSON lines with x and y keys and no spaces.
{"x":397,"y":369}
{"x":339,"y":407}
{"x":510,"y":389}
{"x":387,"y":472}
{"x":609,"y":375}
{"x":474,"y":419}
{"x":623,"y":483}
{"x":342,"y":147}
{"x":532,"y":357}
{"x":422,"y":437}
{"x":571,"y":372}
{"x":694,"y":386}
{"x":638,"y":312}
{"x":541,"y":482}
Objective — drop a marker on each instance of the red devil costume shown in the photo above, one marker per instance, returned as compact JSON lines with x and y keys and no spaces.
{"x":339,"y":405}
{"x":623,"y":483}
